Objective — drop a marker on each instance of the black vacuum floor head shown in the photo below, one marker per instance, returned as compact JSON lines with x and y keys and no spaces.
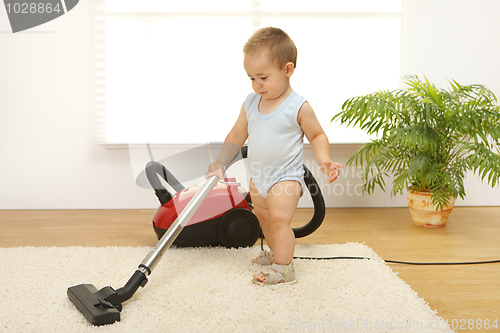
{"x":94,"y":304}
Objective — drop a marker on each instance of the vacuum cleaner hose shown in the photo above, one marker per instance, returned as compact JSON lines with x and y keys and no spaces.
{"x":153,"y":169}
{"x":319,"y":206}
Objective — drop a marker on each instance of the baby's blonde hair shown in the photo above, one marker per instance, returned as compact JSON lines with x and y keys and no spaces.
{"x":277,"y":42}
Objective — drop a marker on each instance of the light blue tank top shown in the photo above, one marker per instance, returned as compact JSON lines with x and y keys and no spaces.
{"x":275,"y":142}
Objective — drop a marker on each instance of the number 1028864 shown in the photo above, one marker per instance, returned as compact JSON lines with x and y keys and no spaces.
{"x":32,"y":8}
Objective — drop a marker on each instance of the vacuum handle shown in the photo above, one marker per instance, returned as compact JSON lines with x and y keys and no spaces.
{"x":154,"y":256}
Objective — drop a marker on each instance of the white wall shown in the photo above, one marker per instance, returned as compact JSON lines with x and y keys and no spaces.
{"x":452,"y":39}
{"x":459,"y":40}
{"x":48,"y":158}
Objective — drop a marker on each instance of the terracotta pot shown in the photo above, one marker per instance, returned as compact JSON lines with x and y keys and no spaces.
{"x":424,"y":213}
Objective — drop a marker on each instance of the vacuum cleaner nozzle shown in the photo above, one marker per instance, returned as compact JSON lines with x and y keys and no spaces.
{"x":100,"y":307}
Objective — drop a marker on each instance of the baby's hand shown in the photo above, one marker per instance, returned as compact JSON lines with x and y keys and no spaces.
{"x":331,"y":169}
{"x":215,"y":169}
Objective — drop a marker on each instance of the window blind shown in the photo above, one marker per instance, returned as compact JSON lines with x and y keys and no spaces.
{"x":171,"y":72}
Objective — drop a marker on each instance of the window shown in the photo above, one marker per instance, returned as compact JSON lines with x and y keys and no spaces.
{"x":172,"y":71}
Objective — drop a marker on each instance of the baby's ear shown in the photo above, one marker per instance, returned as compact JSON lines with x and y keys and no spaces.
{"x":289,"y":69}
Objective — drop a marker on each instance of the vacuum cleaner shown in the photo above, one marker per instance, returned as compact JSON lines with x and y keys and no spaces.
{"x":225,"y":218}
{"x":101,"y":307}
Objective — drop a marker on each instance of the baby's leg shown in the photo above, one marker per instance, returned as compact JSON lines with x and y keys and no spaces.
{"x":260,"y":210}
{"x":282,"y":202}
{"x":275,"y":214}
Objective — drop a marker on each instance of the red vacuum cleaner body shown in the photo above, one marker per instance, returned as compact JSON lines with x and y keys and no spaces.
{"x":224,"y":197}
{"x":224,"y":218}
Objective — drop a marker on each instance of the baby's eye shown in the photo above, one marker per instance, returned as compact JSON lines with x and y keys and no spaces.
{"x":263,"y":78}
{"x":252,"y":79}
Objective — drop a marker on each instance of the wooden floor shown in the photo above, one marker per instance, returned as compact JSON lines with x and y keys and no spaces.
{"x":460,"y":293}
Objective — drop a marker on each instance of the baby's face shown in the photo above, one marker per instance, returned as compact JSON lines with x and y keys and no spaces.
{"x":268,"y":80}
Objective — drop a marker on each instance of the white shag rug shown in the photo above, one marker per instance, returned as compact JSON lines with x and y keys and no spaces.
{"x":210,"y":290}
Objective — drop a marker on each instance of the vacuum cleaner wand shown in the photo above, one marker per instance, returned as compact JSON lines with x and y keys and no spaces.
{"x":101,"y":307}
{"x":171,"y":234}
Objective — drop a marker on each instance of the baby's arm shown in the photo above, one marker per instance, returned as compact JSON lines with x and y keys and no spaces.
{"x":319,"y":142}
{"x":232,"y":145}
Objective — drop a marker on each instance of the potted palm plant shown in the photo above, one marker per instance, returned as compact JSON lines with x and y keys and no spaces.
{"x":426,"y":139}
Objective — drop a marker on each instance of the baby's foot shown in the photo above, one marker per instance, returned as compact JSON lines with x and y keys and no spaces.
{"x":276,"y":274}
{"x":262,"y":276}
{"x":264,"y":258}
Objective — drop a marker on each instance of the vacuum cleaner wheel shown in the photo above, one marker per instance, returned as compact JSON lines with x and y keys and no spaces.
{"x":239,"y":227}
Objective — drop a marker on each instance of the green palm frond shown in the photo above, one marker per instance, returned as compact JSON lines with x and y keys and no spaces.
{"x":427,"y":138}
